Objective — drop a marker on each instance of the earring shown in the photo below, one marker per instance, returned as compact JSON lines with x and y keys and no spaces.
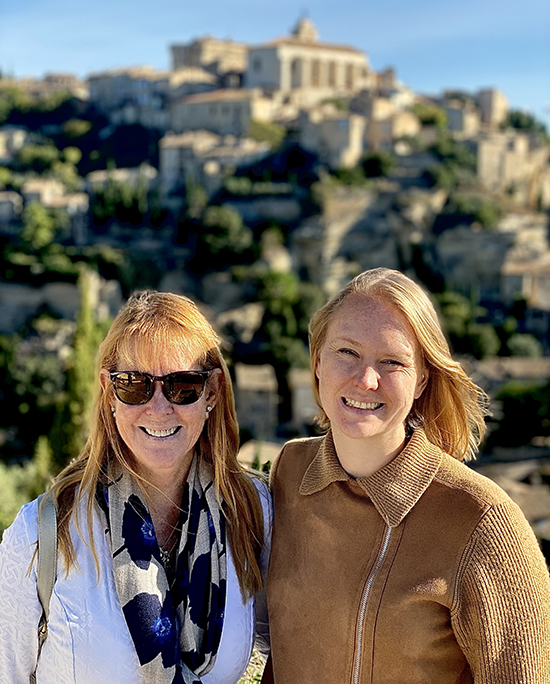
{"x":113,"y":411}
{"x":208,"y":409}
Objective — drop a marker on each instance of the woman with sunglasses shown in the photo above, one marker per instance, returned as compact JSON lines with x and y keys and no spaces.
{"x":163,"y":537}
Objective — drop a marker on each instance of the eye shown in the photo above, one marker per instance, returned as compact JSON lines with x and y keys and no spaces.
{"x":392,"y":362}
{"x":348,"y":352}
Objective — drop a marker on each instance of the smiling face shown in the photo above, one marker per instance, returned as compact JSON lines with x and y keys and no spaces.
{"x":370,"y":372}
{"x":161,"y":435}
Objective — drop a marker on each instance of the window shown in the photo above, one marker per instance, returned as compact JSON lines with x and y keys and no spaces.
{"x":257,"y":64}
{"x":349,"y":76}
{"x":332,"y":74}
{"x":315,"y":73}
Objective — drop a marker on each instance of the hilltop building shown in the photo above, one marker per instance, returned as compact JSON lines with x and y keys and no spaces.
{"x":225,"y":59}
{"x":303,"y":66}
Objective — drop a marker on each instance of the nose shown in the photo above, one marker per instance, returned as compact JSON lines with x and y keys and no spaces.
{"x":158,"y":402}
{"x":367,"y":378}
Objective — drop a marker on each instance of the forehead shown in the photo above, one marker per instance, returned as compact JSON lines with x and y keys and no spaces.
{"x":366,"y":320}
{"x":159,"y":354}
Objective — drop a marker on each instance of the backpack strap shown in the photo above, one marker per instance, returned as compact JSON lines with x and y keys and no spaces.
{"x":47,"y":566}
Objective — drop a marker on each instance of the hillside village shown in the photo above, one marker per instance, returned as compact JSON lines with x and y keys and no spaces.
{"x":258,"y":179}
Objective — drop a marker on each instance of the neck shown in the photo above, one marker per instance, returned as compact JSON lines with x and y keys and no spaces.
{"x":164,"y":491}
{"x":363,"y":457}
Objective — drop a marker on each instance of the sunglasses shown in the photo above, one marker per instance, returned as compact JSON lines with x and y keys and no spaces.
{"x":182,"y":388}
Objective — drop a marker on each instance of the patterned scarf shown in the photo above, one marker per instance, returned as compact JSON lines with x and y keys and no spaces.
{"x":176,"y":632}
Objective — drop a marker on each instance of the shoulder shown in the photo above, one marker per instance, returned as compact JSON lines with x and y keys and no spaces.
{"x":18,"y":547}
{"x":294,"y":459}
{"x":24,"y":529}
{"x":456,"y":475}
{"x":262,"y":488}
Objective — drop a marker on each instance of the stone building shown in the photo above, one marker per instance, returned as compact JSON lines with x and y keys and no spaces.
{"x":337,"y":137}
{"x":12,"y":139}
{"x":256,"y":399}
{"x":220,"y":57}
{"x":464,"y":118}
{"x":513,"y":162}
{"x":204,"y":157}
{"x":226,"y":111}
{"x":11,"y":207}
{"x":51,"y":84}
{"x":143,"y":95}
{"x":308,"y":69}
{"x":493,"y":105}
{"x":382,"y":132}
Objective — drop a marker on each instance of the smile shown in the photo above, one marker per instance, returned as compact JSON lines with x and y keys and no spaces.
{"x":361,"y":404}
{"x":160,"y":433}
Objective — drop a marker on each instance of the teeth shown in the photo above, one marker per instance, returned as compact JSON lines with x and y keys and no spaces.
{"x":161,"y":433}
{"x":361,"y":404}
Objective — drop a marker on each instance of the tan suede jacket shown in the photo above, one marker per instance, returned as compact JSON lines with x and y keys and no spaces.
{"x":423,"y":573}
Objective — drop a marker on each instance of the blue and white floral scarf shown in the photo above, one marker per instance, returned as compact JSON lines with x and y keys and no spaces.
{"x":176,"y":632}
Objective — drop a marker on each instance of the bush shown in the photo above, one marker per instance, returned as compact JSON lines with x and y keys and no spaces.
{"x":267,"y":131}
{"x":521,"y":344}
{"x":378,"y":164}
{"x":430,"y":115}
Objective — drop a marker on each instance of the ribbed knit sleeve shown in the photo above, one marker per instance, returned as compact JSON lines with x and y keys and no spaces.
{"x":501,"y":607}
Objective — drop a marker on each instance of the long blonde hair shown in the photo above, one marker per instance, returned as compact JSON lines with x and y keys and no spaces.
{"x":161,"y":325}
{"x":452,"y":408}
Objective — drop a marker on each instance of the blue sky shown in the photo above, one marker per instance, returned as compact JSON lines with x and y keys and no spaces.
{"x":433,"y":44}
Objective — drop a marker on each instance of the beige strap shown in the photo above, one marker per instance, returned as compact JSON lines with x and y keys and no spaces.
{"x":47,"y":566}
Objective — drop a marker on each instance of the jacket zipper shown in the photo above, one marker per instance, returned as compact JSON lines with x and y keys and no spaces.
{"x":364,"y":601}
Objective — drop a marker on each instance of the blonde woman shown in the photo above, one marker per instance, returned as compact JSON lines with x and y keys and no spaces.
{"x":163,"y":538}
{"x":393,"y":562}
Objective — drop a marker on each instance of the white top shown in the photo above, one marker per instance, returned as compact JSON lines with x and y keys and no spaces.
{"x":88,"y":638}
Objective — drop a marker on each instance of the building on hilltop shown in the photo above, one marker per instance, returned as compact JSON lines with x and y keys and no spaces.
{"x":337,"y":137}
{"x":515,"y":163}
{"x":224,"y":58}
{"x":493,"y":105}
{"x":301,"y":65}
{"x":143,"y":95}
{"x":204,"y":157}
{"x":51,"y":84}
{"x":226,"y":111}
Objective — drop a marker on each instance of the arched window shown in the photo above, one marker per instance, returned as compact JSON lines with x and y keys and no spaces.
{"x":315,"y":73}
{"x":332,"y":74}
{"x":296,"y":73}
{"x":349,"y":76}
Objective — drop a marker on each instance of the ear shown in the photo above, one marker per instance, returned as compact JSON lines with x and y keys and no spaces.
{"x":317,"y":364}
{"x":421,"y":383}
{"x":213,"y":387}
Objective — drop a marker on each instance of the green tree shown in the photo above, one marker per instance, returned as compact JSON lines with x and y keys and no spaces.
{"x":526,"y":122}
{"x":72,"y":421}
{"x":267,"y":131}
{"x":76,"y":128}
{"x":376,"y":164}
{"x":43,"y":467}
{"x":430,"y":115}
{"x":466,"y":335}
{"x":39,"y":227}
{"x":38,"y":158}
{"x":522,"y":344}
{"x":5,"y":177}
{"x":525,"y":413}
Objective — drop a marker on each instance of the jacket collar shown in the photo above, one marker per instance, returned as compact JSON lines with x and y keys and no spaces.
{"x":394,"y":489}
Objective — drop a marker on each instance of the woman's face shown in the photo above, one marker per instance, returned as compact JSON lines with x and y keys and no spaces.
{"x":370,"y":372}
{"x":162,"y":435}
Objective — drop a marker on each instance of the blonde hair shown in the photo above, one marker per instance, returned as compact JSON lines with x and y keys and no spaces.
{"x":451,"y":409}
{"x":155,"y":325}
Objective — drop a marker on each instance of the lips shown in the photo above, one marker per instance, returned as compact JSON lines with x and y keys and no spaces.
{"x":366,"y":406}
{"x":160,"y":433}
